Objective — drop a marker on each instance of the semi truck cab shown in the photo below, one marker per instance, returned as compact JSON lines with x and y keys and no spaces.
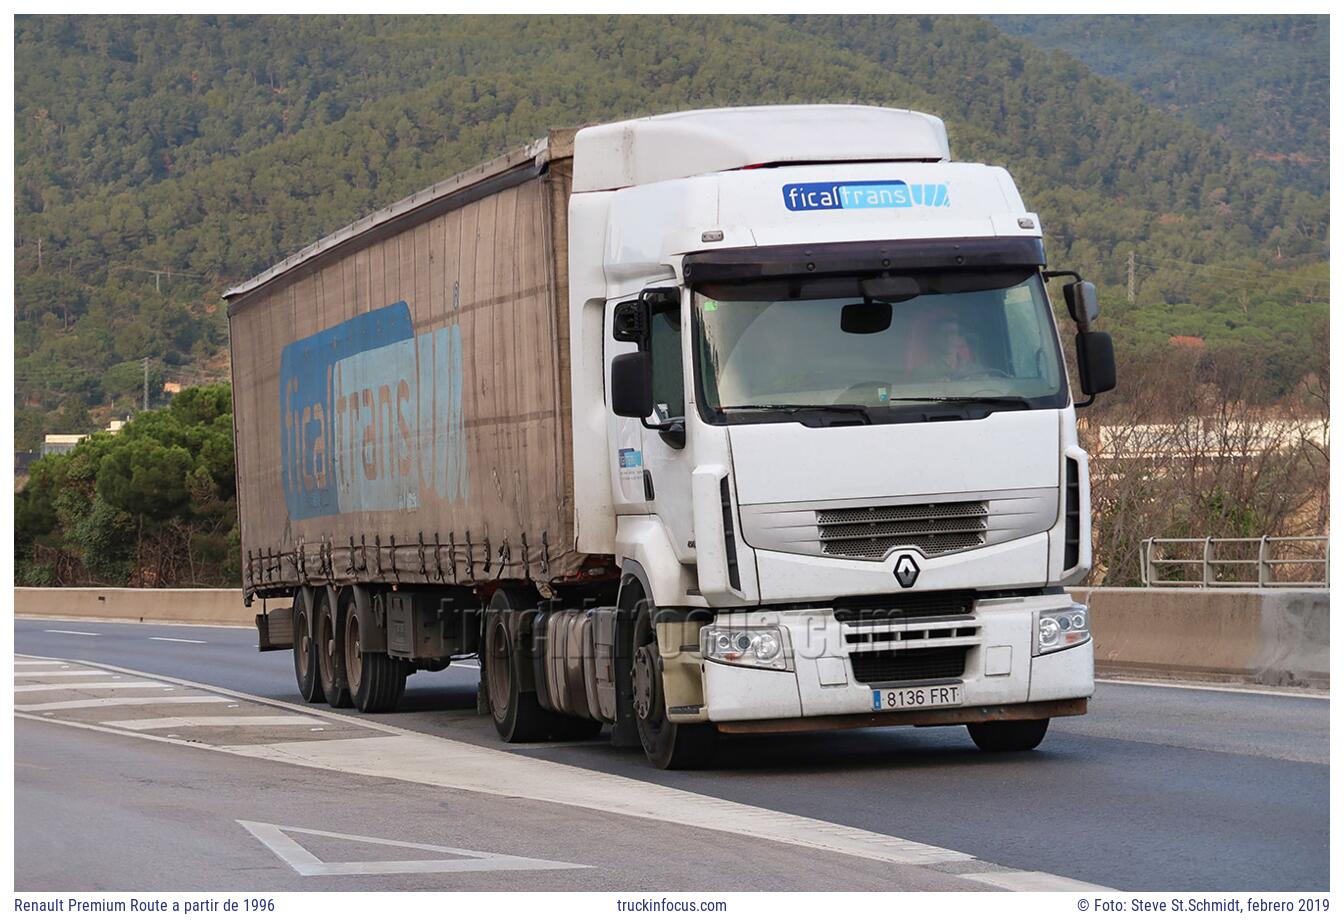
{"x":837,"y":441}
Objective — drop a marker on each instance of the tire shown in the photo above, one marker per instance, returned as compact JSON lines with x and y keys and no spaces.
{"x":1002,"y":737}
{"x":305,"y":654}
{"x":330,"y":654}
{"x":517,"y":713}
{"x":668,"y":745}
{"x":376,"y":680}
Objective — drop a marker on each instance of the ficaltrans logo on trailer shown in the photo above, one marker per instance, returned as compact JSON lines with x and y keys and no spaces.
{"x":853,"y":196}
{"x":371,"y":416}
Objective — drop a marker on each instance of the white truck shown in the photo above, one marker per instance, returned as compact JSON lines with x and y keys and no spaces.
{"x":736,"y":420}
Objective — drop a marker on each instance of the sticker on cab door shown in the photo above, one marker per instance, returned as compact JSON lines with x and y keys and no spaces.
{"x":631,"y":461}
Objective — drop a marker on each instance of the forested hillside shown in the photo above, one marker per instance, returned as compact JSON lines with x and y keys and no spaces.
{"x":1259,"y":82}
{"x":210,"y":147}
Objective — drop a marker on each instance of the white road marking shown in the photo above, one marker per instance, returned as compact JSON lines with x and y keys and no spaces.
{"x":35,"y":662}
{"x":1300,"y":693}
{"x":1013,"y":880}
{"x":211,"y":722}
{"x":97,"y":702}
{"x":71,"y":632}
{"x":465,"y":664}
{"x":171,"y":639}
{"x":303,"y":862}
{"x":92,"y":685}
{"x":67,"y":672}
{"x":398,"y":753}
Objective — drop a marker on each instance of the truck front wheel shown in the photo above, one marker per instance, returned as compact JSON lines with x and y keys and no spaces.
{"x":1001,"y":737}
{"x":376,"y":680}
{"x":668,"y":745}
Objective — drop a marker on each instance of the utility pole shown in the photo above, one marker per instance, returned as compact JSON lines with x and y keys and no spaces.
{"x":39,"y":253}
{"x":1131,"y":276}
{"x":146,"y":383}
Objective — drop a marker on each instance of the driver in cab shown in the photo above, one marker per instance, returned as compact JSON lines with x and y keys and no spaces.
{"x":945,"y":355}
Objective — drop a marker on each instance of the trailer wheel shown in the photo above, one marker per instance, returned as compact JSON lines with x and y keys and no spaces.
{"x":668,"y":745}
{"x":330,"y":654}
{"x":305,"y":653}
{"x":376,"y":679}
{"x":1001,"y":737}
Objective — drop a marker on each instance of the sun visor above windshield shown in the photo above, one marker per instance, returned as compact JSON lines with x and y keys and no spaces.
{"x":748,"y":262}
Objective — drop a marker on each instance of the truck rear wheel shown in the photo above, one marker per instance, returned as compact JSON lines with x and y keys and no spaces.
{"x":668,"y":745}
{"x":516,"y":711}
{"x":376,"y":680}
{"x":330,"y":654}
{"x":1001,"y":737}
{"x":305,"y":653}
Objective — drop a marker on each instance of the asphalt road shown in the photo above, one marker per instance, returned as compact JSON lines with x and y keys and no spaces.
{"x":1157,"y":788}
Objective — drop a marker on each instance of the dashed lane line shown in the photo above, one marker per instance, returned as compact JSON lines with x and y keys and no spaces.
{"x":91,"y":685}
{"x":172,"y":639}
{"x":71,"y":632}
{"x":104,"y":701}
{"x":397,"y":753}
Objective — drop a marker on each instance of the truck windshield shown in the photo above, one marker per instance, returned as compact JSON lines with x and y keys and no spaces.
{"x":874,"y":350}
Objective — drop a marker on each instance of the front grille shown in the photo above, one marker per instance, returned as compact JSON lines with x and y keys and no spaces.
{"x":933,"y":529}
{"x":918,"y":605}
{"x":914,"y":664}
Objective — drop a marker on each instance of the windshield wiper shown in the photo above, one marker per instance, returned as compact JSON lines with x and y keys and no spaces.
{"x":1015,"y":401}
{"x":793,"y":408}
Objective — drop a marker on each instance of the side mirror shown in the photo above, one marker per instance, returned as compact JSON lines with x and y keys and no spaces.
{"x":632,"y":384}
{"x":1096,"y":362}
{"x":1081,"y":298}
{"x":630,"y":322}
{"x":865,"y":318}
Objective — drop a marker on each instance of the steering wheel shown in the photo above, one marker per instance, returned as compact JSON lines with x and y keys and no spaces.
{"x":853,"y":393}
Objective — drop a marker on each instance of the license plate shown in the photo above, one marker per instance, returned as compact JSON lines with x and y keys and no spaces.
{"x":916,"y":697}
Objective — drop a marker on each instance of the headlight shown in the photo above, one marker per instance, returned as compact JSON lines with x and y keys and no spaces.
{"x":748,"y":646}
{"x":1060,"y":629}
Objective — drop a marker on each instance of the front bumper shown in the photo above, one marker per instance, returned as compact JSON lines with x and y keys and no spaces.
{"x":1000,"y":677}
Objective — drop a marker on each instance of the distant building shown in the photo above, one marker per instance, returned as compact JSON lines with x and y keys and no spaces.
{"x":171,"y":387}
{"x":60,"y":443}
{"x":64,"y":443}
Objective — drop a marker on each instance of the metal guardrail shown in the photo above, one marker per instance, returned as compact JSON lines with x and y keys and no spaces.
{"x":1223,"y":571}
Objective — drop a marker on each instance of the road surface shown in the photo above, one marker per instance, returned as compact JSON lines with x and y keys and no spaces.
{"x":1158,"y":788}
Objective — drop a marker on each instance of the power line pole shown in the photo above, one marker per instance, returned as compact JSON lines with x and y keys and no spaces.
{"x":146,"y":383}
{"x":1131,"y":276}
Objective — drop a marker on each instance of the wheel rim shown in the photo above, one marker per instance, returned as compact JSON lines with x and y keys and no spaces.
{"x":498,"y":674}
{"x":326,"y":648}
{"x":646,"y":684}
{"x":354,"y":660}
{"x":303,"y":647}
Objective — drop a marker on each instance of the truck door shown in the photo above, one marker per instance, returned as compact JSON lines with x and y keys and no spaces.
{"x":667,"y":458}
{"x":652,"y":464}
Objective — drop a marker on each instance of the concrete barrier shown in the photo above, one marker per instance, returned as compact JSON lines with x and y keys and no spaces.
{"x":1277,"y":636}
{"x":194,"y":606}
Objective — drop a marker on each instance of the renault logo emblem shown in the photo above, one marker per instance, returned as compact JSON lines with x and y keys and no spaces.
{"x":907,"y":570}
